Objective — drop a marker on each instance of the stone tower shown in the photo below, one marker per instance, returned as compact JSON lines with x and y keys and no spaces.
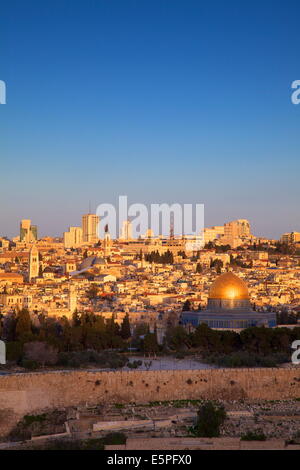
{"x":33,"y":263}
{"x":72,"y":299}
{"x":107,"y":242}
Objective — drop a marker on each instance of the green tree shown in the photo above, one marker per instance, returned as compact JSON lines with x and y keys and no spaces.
{"x":23,"y":327}
{"x":186,"y":306}
{"x":41,"y":353}
{"x":150,"y":344}
{"x":217,"y":264}
{"x":257,"y":340}
{"x":177,"y":338}
{"x":198,"y":268}
{"x":75,"y":318}
{"x":92,"y":292}
{"x":125,"y":327}
{"x":210,"y":418}
{"x":206,"y":339}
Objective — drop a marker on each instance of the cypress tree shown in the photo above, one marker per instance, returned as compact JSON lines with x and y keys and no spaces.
{"x":125,"y":327}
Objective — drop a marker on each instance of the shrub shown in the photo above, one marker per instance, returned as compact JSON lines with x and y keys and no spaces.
{"x":134,"y":364}
{"x":74,"y":362}
{"x":93,"y":444}
{"x":30,"y":365}
{"x":14,"y":350}
{"x":246,"y":359}
{"x":115,"y":438}
{"x":29,"y":419}
{"x":40,"y":352}
{"x":179,"y":355}
{"x":257,"y":435}
{"x":210,"y":418}
{"x":104,"y":359}
{"x":62,"y":444}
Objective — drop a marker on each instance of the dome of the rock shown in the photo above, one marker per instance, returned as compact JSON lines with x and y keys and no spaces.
{"x":228,"y":286}
{"x":228,"y":306}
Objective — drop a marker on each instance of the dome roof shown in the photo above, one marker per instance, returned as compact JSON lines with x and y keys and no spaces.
{"x":91,"y":261}
{"x":228,"y":286}
{"x":99,"y":261}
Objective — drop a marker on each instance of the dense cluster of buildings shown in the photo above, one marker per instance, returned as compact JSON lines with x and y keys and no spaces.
{"x":53,"y":276}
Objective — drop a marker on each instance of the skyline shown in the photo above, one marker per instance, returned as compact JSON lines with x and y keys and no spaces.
{"x":164,"y":223}
{"x":183,"y":103}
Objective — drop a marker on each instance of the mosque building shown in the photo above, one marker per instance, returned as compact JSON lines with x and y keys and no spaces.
{"x":229,"y":307}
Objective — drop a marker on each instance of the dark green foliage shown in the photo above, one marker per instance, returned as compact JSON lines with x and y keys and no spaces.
{"x":180,"y":355}
{"x":40,"y":352}
{"x":23,"y":325}
{"x":206,"y":339}
{"x":246,"y":359}
{"x":92,"y":444}
{"x":111,"y":359}
{"x":156,"y":257}
{"x":14,"y":350}
{"x":255,"y":346}
{"x":210,"y":418}
{"x":92,"y":292}
{"x":186,"y":306}
{"x":134,"y":364}
{"x":177,"y":338}
{"x":217,"y":264}
{"x":30,"y":365}
{"x":125,"y":328}
{"x":150,"y":344}
{"x":198,"y":268}
{"x":115,"y":438}
{"x":38,"y":425}
{"x":257,"y":435}
{"x":30,"y":419}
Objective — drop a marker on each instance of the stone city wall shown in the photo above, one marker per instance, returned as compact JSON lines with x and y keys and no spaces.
{"x":32,"y":392}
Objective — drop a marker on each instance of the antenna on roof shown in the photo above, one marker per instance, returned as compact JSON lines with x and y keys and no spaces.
{"x":89,"y":206}
{"x":172,"y":226}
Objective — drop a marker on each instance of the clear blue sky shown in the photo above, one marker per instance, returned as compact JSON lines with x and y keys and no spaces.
{"x":162,"y":100}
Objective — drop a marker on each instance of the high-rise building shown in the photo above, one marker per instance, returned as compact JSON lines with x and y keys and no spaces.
{"x":236,"y":233}
{"x":292,"y":237}
{"x":90,"y":228}
{"x":212,"y":233}
{"x":33,"y":263}
{"x":73,"y":238}
{"x":126,"y":231}
{"x":28,"y":232}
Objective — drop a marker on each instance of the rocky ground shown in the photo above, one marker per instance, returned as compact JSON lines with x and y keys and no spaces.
{"x":276,"y":419}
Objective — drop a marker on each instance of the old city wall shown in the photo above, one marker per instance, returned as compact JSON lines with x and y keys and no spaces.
{"x":32,"y":392}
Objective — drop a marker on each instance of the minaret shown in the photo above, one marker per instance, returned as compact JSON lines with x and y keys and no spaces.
{"x":72,"y":299}
{"x":33,"y":263}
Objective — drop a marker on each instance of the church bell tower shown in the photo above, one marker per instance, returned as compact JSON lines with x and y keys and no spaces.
{"x":33,"y":263}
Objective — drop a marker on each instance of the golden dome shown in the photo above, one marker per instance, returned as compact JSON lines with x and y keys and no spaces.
{"x":228,"y":286}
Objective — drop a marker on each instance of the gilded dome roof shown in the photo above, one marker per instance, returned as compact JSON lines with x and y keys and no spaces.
{"x":228,"y":286}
